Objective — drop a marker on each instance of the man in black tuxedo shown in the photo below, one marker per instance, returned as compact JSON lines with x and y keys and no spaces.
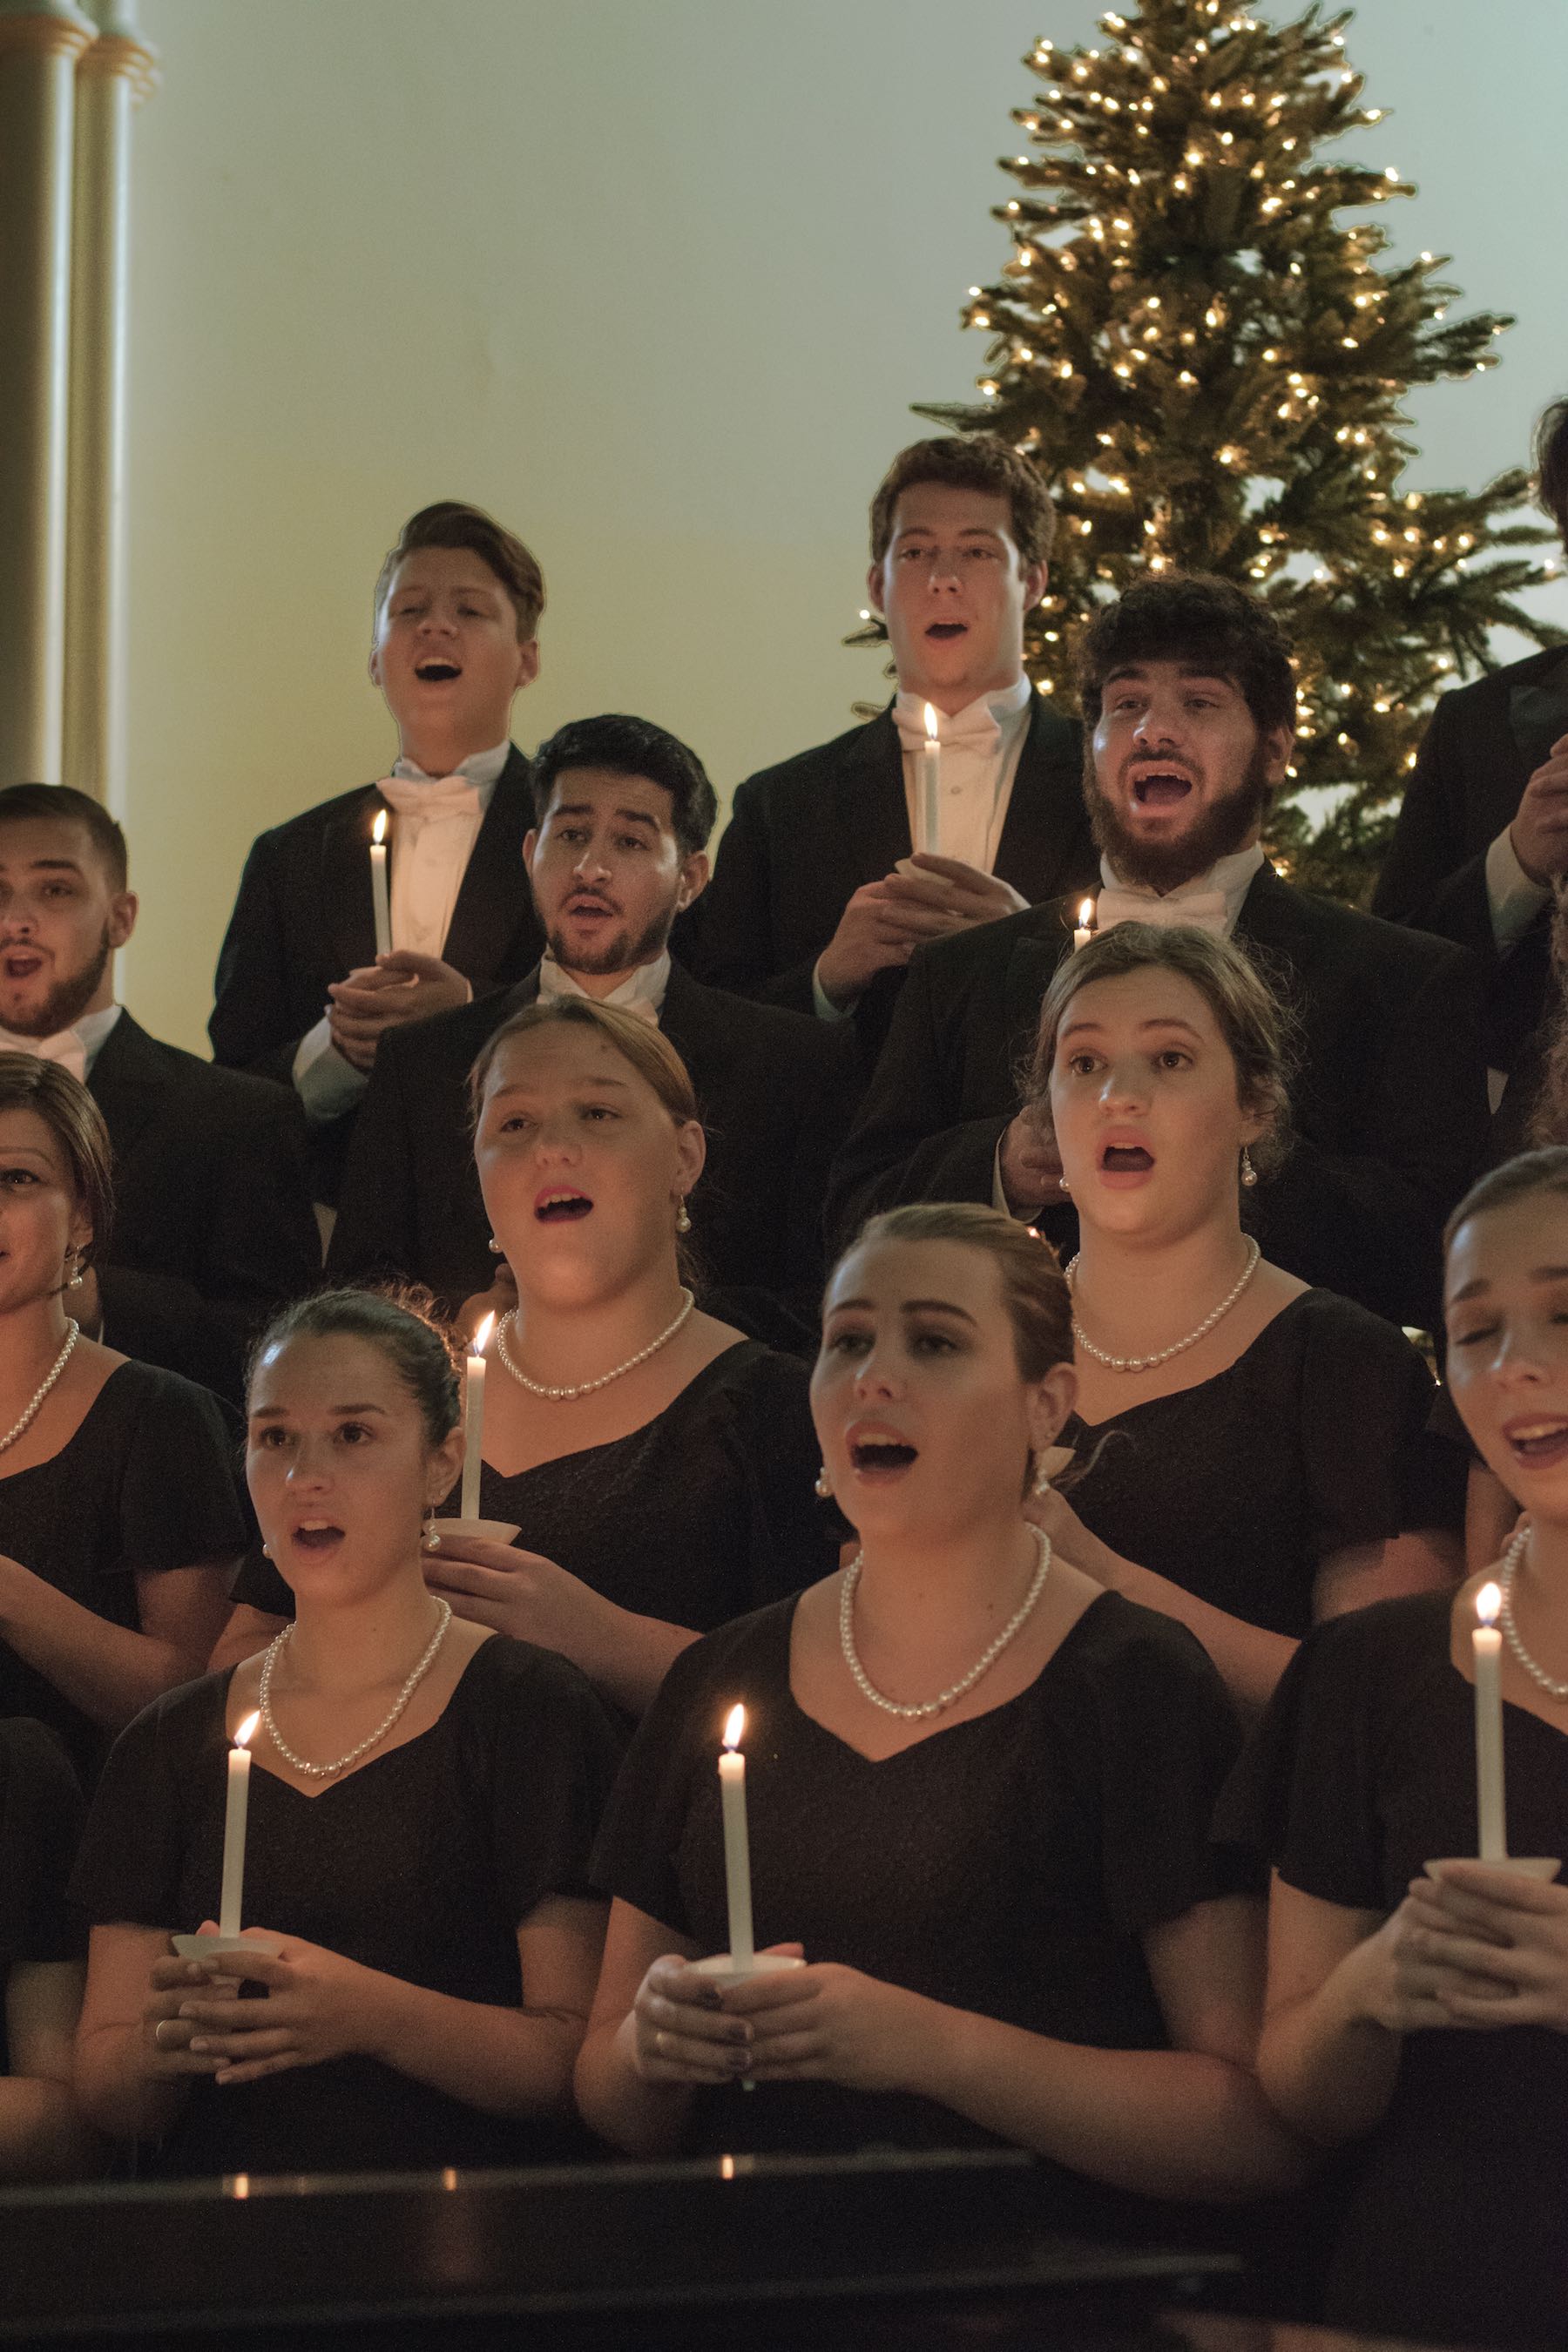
{"x":303,"y":994}
{"x":623,"y":813}
{"x":1188,"y":689}
{"x":817,"y":900}
{"x":212,"y":1210}
{"x":1482,"y":834}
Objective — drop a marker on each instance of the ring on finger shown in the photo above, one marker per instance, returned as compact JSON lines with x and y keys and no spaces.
{"x":158,"y":2031}
{"x":659,"y":2041}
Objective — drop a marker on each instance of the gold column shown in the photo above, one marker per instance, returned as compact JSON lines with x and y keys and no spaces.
{"x":113,"y":77}
{"x":40,"y":41}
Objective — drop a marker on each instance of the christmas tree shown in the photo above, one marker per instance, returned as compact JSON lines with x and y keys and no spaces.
{"x":1205,"y":358}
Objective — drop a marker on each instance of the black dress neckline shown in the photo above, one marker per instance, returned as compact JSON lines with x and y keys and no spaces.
{"x":49,"y":1460}
{"x":1196,"y":1388}
{"x":943,"y":1730}
{"x":693,"y":1389}
{"x":330,"y":1788}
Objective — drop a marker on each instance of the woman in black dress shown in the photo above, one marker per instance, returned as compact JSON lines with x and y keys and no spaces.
{"x":1419,"y":2012}
{"x":41,"y":2134}
{"x":422,"y":1805}
{"x":659,"y":1466}
{"x":1258,"y":1455}
{"x":120,"y":1519}
{"x":1016,"y":1928}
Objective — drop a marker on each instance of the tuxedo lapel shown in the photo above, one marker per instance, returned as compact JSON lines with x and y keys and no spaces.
{"x":494,"y":896}
{"x":1030,"y":967}
{"x":345,"y":885}
{"x":871,"y":814}
{"x":129,"y":1082}
{"x":1538,"y":712}
{"x":1045,"y":845}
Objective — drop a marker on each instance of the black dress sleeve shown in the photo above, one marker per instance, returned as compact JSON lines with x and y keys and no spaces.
{"x":795,"y":1535}
{"x":41,"y":1815}
{"x":1374,"y":1464}
{"x":637,"y":1856}
{"x":1303,"y":1797}
{"x":128,"y":1871}
{"x":179,"y":1493}
{"x":551,"y":1754}
{"x":1169,"y":1737}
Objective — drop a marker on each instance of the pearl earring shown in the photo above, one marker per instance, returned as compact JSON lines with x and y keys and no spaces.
{"x":494,"y":1247}
{"x":1063,"y":1184}
{"x":1248,"y":1172}
{"x":682,"y":1220}
{"x":1050,"y":1465}
{"x":824,"y":1483}
{"x":78,"y":1277}
{"x":431,"y":1541}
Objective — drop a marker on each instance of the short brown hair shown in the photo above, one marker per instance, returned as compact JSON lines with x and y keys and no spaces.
{"x":75,"y":1121}
{"x":1551,"y":464}
{"x":1255,"y":1026}
{"x":1038,"y":1302}
{"x":1192,"y":617}
{"x":62,"y":803}
{"x":451,"y":523}
{"x":647,"y":1049}
{"x":1531,"y":1172}
{"x":975,"y":461}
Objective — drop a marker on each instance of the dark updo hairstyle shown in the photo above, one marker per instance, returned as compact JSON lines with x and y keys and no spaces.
{"x":75,"y":1121}
{"x":400,"y":1323}
{"x":1516,"y":1180}
{"x":1257,"y":1029}
{"x":1038,"y":1303}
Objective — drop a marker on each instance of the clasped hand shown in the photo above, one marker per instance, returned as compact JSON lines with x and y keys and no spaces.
{"x":1476,"y":1947}
{"x":924,"y":898}
{"x":376,"y":997}
{"x":821,"y":2023}
{"x":520,"y":1593}
{"x":195,"y":2024}
{"x":1540,"y":831}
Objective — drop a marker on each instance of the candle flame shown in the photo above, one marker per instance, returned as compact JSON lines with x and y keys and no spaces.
{"x":1085,"y":914}
{"x":378,"y":830}
{"x":482,"y":1335}
{"x":930,"y":723}
{"x":1489,"y":1602}
{"x":247,"y":1732}
{"x":734,"y":1725}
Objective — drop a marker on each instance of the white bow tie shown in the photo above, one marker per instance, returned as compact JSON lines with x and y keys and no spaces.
{"x":443,"y":796}
{"x":1203,"y":910}
{"x":553,"y":982}
{"x":979,"y":732}
{"x":64,"y":1048}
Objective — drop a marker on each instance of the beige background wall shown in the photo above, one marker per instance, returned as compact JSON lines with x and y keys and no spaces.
{"x":656,"y":281}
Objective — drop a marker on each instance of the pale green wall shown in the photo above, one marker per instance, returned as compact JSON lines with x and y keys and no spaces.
{"x":656,"y":281}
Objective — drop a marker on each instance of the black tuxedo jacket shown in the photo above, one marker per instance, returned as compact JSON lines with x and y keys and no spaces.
{"x":774,"y":1092}
{"x":1479,"y":751}
{"x":213,"y":1224}
{"x":1389,"y":1098}
{"x":303,"y":918}
{"x":802,"y":838}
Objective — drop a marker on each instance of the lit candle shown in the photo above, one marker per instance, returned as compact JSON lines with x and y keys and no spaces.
{"x":378,"y":890}
{"x":930,"y":787}
{"x":737,"y":1852}
{"x":474,"y":1419}
{"x":1084,"y":933}
{"x":228,"y":1917}
{"x":1487,"y":1648}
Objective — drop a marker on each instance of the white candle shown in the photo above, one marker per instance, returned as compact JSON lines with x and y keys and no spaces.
{"x":233,"y":1896}
{"x":379,"y":896}
{"x":930,"y":787}
{"x":737,"y":1850}
{"x":474,"y":1419}
{"x":1487,"y":1650}
{"x":1084,"y":933}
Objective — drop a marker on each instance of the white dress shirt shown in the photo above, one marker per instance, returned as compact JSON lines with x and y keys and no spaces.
{"x":981,"y":745}
{"x":1211,"y":901}
{"x":641,"y":992}
{"x":75,"y":1050}
{"x":1514,"y":900}
{"x":429,"y":858}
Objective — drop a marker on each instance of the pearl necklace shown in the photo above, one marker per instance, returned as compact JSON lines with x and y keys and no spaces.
{"x":868,"y":1688}
{"x":1147,"y":1363}
{"x":30,"y":1411}
{"x":325,"y":1771}
{"x":586,"y":1388}
{"x":1505,"y":1573}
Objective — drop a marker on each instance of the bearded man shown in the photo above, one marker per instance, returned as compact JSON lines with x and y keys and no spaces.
{"x":1188,"y":695}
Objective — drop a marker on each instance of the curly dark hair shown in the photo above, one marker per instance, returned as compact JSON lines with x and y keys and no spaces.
{"x":1194,"y":618}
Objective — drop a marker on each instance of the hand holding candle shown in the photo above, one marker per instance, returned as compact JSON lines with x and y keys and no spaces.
{"x":1487,"y":1652}
{"x":931,"y":788}
{"x":1084,"y":933}
{"x":737,"y":1850}
{"x":379,"y":894}
{"x":233,"y":1896}
{"x":474,"y":1419}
